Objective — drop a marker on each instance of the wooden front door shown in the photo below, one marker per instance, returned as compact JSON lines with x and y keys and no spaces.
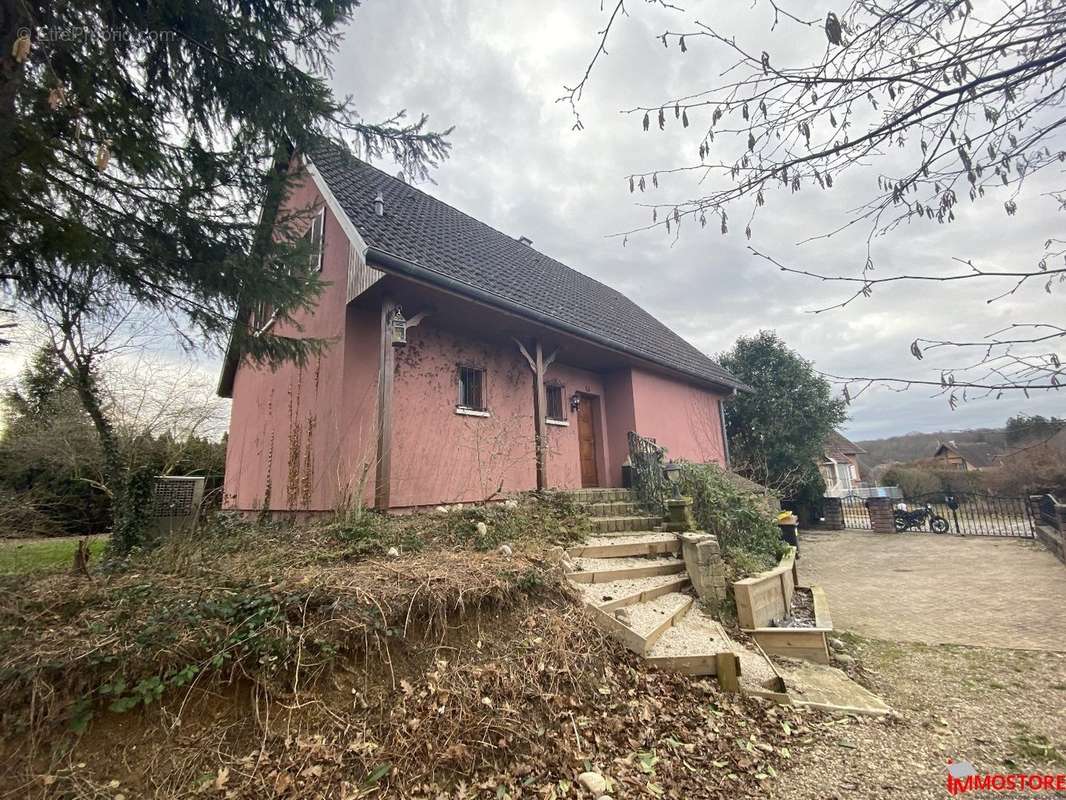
{"x":586,"y":437}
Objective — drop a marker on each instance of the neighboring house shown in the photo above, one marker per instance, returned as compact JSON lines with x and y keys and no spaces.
{"x":840,"y":465}
{"x":506,"y":349}
{"x":964,"y":457}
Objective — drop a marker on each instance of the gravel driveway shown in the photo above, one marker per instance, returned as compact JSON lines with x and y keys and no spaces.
{"x":986,"y":592}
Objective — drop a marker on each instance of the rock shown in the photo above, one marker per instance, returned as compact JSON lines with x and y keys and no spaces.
{"x":594,"y":782}
{"x":393,"y":553}
{"x":836,"y":644}
{"x":441,"y":510}
{"x":510,"y":504}
{"x":604,"y":797}
{"x":843,"y":658}
{"x":482,"y":529}
{"x":504,"y":550}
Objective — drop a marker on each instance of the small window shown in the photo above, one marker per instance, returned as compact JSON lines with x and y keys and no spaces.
{"x":314,"y":234}
{"x":556,"y":409}
{"x":472,"y":388}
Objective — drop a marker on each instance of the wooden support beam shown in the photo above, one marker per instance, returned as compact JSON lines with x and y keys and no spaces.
{"x":539,"y":365}
{"x":386,"y":375}
{"x":417,"y":318}
{"x":539,"y":402}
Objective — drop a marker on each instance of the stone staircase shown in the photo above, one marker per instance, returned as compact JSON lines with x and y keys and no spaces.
{"x":633,"y":577}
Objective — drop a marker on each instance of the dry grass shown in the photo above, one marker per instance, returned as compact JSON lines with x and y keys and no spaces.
{"x":272,"y":662}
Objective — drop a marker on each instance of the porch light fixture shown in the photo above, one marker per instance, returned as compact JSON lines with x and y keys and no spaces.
{"x":398,"y":328}
{"x":575,"y":401}
{"x":673,"y":475}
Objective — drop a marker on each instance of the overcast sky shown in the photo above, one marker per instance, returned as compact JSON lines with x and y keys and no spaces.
{"x":494,"y":71}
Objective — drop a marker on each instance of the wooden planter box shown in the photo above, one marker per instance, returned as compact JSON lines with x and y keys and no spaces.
{"x":768,"y":596}
{"x":807,"y":643}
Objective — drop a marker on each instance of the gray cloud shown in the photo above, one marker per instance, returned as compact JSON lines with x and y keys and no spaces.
{"x":494,"y":70}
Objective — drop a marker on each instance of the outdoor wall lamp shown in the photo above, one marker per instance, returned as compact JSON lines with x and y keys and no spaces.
{"x":398,"y":328}
{"x":673,"y":475}
{"x":575,"y":401}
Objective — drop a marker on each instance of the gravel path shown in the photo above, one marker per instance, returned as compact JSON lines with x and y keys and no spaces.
{"x":992,"y":592}
{"x":599,"y":593}
{"x":600,"y":564}
{"x":1002,"y":710}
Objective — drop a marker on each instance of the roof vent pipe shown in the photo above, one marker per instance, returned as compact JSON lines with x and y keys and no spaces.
{"x":379,"y":205}
{"x":525,"y":240}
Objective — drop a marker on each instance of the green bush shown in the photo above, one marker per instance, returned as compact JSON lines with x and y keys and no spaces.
{"x":747,"y":532}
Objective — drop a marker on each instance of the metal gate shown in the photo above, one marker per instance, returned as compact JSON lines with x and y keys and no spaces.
{"x":856,"y":514}
{"x":973,"y":514}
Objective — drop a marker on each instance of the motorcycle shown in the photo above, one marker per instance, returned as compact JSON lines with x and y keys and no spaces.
{"x":918,"y":519}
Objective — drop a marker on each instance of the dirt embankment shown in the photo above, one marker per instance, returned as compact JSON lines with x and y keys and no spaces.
{"x":288,"y":663}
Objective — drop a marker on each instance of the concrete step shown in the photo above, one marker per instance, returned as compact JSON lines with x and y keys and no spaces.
{"x":647,"y":544}
{"x":613,"y":509}
{"x":626,"y":523}
{"x":601,"y":495}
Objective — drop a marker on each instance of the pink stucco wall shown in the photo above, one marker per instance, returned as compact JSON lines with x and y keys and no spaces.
{"x":305,"y":438}
{"x":440,"y":456}
{"x":683,"y":418}
{"x":298,"y":435}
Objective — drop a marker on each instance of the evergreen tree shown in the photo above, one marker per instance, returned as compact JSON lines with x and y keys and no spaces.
{"x":778,"y":430}
{"x":144,"y":139}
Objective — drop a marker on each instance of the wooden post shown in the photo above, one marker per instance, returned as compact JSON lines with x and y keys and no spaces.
{"x":386,"y":374}
{"x":727,"y":671}
{"x":539,"y":365}
{"x":540,"y":427}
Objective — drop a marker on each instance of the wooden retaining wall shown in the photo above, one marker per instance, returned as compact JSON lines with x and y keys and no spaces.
{"x":766,"y":596}
{"x":807,"y":643}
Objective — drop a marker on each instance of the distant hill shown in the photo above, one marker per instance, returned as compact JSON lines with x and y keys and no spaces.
{"x":912,"y":446}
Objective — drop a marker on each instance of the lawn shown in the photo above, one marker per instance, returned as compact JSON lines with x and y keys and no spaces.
{"x":25,"y":556}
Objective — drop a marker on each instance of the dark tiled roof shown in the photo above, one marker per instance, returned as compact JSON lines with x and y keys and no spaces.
{"x":977,"y":454}
{"x":422,"y":230}
{"x":837,"y":444}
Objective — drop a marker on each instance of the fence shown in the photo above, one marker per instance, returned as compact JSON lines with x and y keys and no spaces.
{"x":649,"y":482}
{"x":974,"y":514}
{"x":968,"y":514}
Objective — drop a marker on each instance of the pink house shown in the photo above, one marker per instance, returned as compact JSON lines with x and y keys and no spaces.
{"x":456,"y":351}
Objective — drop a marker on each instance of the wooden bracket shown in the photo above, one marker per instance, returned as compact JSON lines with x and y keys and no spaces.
{"x":421,"y":315}
{"x":528,"y":357}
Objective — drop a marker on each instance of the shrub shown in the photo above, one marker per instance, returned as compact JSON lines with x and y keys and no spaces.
{"x":915,"y":482}
{"x":748,"y":534}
